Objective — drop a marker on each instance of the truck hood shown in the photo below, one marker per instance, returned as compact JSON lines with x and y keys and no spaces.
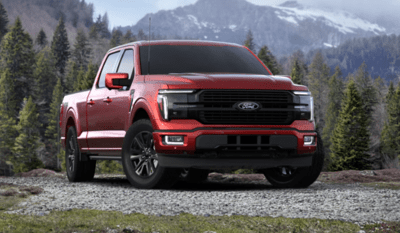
{"x":225,"y":81}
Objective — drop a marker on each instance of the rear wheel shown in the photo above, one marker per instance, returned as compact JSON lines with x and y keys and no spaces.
{"x":140,"y":160}
{"x":288,"y":177}
{"x":77,"y":170}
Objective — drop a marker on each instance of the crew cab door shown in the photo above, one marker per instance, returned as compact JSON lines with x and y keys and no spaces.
{"x":109,"y":109}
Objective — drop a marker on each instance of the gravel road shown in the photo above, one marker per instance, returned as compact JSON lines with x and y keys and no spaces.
{"x":349,"y":202}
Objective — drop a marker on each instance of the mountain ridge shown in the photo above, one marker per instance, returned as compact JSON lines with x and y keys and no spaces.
{"x":284,"y":28}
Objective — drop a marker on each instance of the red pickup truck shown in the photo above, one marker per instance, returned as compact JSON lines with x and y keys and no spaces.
{"x":178,"y":109}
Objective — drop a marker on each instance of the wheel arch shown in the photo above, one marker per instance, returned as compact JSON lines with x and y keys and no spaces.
{"x":142,"y":110}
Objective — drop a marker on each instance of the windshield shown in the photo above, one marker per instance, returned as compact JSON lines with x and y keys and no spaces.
{"x":166,"y":59}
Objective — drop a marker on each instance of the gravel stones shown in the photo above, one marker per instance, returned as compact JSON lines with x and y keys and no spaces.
{"x":349,"y":202}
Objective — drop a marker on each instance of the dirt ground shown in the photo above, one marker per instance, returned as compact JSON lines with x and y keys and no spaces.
{"x":349,"y":176}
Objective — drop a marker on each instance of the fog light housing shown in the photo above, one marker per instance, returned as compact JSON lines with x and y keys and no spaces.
{"x":173,"y":140}
{"x":309,"y":140}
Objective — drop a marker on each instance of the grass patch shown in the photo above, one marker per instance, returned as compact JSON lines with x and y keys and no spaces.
{"x":383,"y":227}
{"x":20,"y":191}
{"x":7,"y":202}
{"x":11,"y":194}
{"x":98,"y":221}
{"x":384,"y":185}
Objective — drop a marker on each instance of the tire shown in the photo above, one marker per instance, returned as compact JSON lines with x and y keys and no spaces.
{"x":298,"y":177}
{"x":77,"y":170}
{"x":139,"y":159}
{"x":193,"y":175}
{"x":89,"y":170}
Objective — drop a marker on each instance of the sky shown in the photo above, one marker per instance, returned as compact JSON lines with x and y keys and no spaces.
{"x":128,"y":12}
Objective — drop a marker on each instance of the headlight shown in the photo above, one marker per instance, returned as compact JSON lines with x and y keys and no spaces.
{"x":173,"y":104}
{"x":305,"y":105}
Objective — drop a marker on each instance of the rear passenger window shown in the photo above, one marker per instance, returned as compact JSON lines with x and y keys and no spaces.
{"x":126,"y":65}
{"x":107,"y":68}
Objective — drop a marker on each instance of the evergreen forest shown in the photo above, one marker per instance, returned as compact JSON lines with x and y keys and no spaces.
{"x":357,"y":111}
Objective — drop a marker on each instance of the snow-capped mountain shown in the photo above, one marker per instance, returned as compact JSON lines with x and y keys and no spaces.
{"x":284,"y":28}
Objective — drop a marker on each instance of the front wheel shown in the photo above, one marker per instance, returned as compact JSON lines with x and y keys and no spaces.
{"x":288,"y":177}
{"x":140,"y":160}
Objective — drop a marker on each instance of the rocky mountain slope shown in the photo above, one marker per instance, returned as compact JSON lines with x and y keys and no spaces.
{"x":284,"y":28}
{"x":37,"y":14}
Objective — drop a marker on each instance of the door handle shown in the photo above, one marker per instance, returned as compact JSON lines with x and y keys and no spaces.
{"x":90,"y":102}
{"x":108,"y":100}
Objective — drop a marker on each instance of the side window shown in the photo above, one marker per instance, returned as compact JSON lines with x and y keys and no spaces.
{"x":107,"y":68}
{"x":126,"y":65}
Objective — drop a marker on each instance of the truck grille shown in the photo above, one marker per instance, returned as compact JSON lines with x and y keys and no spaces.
{"x":276,"y":107}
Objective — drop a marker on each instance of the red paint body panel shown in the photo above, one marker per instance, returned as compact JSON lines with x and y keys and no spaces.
{"x":102,"y":124}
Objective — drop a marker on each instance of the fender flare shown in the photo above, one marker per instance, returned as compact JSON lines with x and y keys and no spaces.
{"x":142,"y":104}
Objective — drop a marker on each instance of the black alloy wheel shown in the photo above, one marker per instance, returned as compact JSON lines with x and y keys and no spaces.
{"x":140,"y":159}
{"x":143,"y":154}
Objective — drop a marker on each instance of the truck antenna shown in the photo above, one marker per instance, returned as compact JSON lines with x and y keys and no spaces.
{"x":148,"y":62}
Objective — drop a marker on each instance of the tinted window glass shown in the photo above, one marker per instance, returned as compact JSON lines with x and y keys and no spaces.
{"x":126,"y":65}
{"x":167,"y":59}
{"x":107,"y":68}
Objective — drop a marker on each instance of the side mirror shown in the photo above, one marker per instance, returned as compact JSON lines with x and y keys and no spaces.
{"x":117,"y":80}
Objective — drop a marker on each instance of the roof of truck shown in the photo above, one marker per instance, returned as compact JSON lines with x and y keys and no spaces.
{"x":177,"y":42}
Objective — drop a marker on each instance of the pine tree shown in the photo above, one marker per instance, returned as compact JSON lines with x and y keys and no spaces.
{"x":41,"y":39}
{"x":79,"y":79}
{"x":378,"y":116}
{"x":46,"y":78}
{"x":335,"y":96}
{"x":269,"y":59}
{"x":116,"y":38}
{"x":3,"y":21}
{"x":72,"y":75}
{"x":28,"y":141}
{"x":87,"y":81}
{"x":128,"y":37}
{"x":17,"y":56}
{"x":8,"y":96}
{"x":141,"y":35}
{"x":390,"y":134}
{"x":366,"y":89}
{"x":82,"y":50}
{"x":52,"y":130}
{"x":390,"y":93}
{"x":249,"y":42}
{"x":104,"y":32}
{"x":94,"y":32}
{"x":297,"y":73}
{"x":60,"y":46}
{"x":317,"y":83}
{"x":8,"y":131}
{"x":350,"y":140}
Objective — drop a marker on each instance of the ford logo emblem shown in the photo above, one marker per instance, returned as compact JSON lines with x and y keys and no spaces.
{"x":248,"y":106}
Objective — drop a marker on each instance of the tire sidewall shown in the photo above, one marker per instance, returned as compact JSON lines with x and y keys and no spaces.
{"x":303,"y":176}
{"x":134,"y":179}
{"x":72,"y":175}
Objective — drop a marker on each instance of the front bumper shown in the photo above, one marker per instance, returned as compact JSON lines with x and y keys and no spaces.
{"x":182,"y":161}
{"x":235,"y":148}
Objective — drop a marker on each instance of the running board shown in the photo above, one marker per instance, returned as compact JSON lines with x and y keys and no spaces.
{"x":100,"y":157}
